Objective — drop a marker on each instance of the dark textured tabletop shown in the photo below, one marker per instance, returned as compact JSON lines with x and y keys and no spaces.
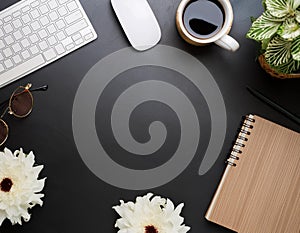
{"x":76,"y":200}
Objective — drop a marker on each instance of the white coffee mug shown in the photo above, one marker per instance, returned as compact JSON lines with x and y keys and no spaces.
{"x":221,"y":38}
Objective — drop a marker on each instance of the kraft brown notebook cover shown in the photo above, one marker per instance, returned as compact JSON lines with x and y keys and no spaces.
{"x":260,"y":188}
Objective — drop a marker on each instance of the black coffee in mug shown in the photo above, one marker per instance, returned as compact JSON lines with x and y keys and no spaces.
{"x":203,"y":18}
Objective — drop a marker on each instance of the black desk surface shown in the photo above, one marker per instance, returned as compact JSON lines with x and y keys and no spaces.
{"x":78,"y":201}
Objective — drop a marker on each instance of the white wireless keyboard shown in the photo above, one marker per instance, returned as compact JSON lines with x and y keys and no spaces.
{"x":34,"y":33}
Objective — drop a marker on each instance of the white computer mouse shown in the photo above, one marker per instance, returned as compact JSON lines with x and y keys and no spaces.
{"x":138,"y":22}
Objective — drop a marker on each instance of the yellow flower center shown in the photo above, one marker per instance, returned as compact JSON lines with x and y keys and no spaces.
{"x":150,"y":229}
{"x":6,"y":184}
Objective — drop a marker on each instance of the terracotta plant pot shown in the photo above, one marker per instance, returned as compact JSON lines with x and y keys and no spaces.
{"x":272,"y":72}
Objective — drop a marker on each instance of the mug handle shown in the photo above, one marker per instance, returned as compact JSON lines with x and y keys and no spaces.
{"x":227,"y":42}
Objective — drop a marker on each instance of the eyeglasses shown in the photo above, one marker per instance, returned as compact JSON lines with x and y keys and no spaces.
{"x":20,"y":105}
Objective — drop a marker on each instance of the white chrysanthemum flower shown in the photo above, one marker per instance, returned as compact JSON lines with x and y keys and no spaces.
{"x":19,"y":185}
{"x":150,"y":215}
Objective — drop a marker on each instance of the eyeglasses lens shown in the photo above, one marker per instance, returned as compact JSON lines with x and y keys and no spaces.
{"x":3,"y":132}
{"x":21,"y":102}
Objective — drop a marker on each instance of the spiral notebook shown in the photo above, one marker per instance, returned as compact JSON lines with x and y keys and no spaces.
{"x":260,"y":189}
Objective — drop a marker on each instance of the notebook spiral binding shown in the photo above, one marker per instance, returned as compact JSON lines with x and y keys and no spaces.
{"x":242,"y":137}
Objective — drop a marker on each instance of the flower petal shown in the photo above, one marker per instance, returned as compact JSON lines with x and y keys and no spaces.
{"x":2,"y":216}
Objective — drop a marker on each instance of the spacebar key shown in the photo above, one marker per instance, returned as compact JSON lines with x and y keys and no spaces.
{"x":21,"y":69}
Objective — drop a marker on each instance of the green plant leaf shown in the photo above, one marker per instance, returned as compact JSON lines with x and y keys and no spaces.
{"x":290,"y":29}
{"x":295,"y":49}
{"x":264,"y":44}
{"x":296,"y":3}
{"x":297,"y":16}
{"x":264,"y":27}
{"x":278,"y":8}
{"x":289,"y":67}
{"x":278,"y":51}
{"x":264,"y":4}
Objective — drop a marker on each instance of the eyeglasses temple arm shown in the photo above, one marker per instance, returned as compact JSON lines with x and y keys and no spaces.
{"x":42,"y":88}
{"x":5,"y":111}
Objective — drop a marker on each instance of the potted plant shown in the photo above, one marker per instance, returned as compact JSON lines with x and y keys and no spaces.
{"x":278,"y":32}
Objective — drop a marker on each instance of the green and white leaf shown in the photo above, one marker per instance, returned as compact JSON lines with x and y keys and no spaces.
{"x":278,"y":8}
{"x":290,"y":29}
{"x":297,"y":16}
{"x":264,"y":44}
{"x":295,"y":4}
{"x":278,"y":51}
{"x":290,"y":67}
{"x":264,"y":27}
{"x":295,"y":49}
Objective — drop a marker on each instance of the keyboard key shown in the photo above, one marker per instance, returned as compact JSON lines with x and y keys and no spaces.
{"x":7,"y":19}
{"x":52,"y":40}
{"x":42,"y":33}
{"x":43,"y":45}
{"x":60,"y":24}
{"x":7,"y":52}
{"x":25,"y":42}
{"x":52,"y":4}
{"x":44,"y":20}
{"x":51,"y":29}
{"x":35,"y":14}
{"x":70,"y":46}
{"x":61,"y":35}
{"x":22,"y":68}
{"x":9,"y":40}
{"x":25,"y":9}
{"x":73,"y":17}
{"x":72,"y":6}
{"x":62,"y":1}
{"x":33,"y":38}
{"x":8,"y":28}
{"x":35,"y":4}
{"x":34,"y":50}
{"x":49,"y":54}
{"x":26,"y":18}
{"x":1,"y":68}
{"x":17,"y":23}
{"x":76,"y":37}
{"x":89,"y":36}
{"x":8,"y":63}
{"x":25,"y":54}
{"x":17,"y":35}
{"x":62,"y":11}
{"x":53,"y":16}
{"x":16,"y":47}
{"x":44,"y":9}
{"x":2,"y":45}
{"x":66,"y":41}
{"x":76,"y":27}
{"x":59,"y":49}
{"x":35,"y":25}
{"x":17,"y":59}
{"x":16,"y":14}
{"x":1,"y":33}
{"x":26,"y":30}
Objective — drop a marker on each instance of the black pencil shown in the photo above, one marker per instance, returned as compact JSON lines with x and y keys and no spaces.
{"x":274,"y":105}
